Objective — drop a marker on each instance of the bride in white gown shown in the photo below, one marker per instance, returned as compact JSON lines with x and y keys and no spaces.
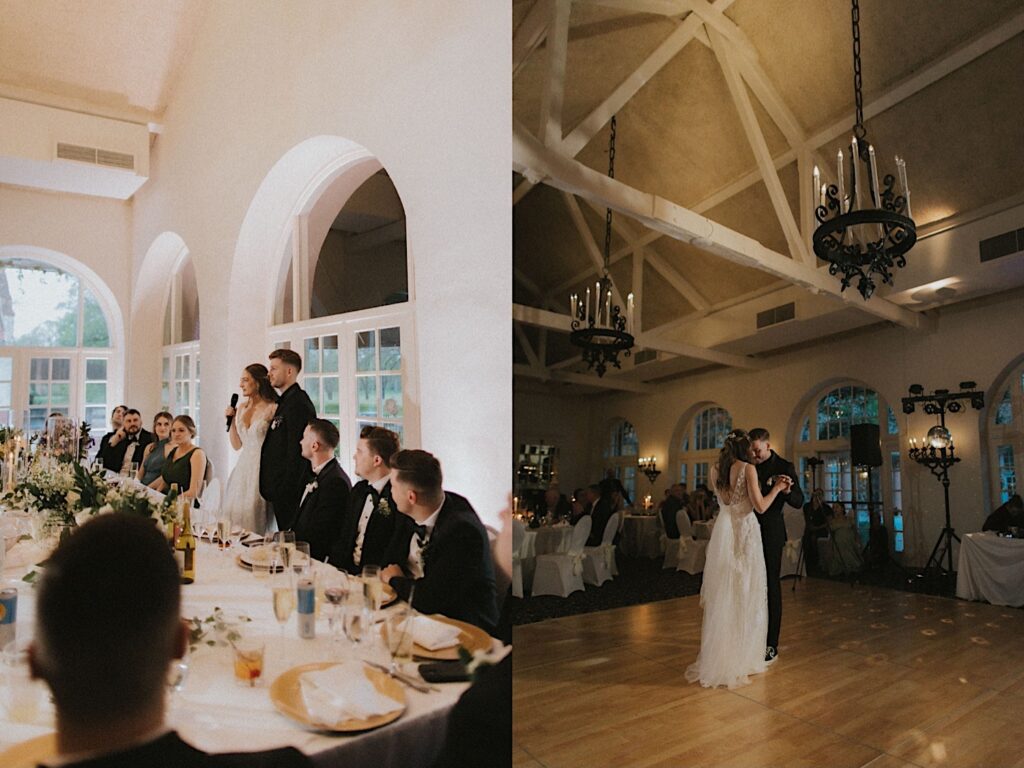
{"x":242,"y":502}
{"x":735,"y":589}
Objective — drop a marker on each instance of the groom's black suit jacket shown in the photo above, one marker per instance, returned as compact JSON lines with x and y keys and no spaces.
{"x":324,"y":510}
{"x":283,"y":471}
{"x":773,"y":526}
{"x":458,"y":572}
{"x":381,"y":545}
{"x":112,"y":456}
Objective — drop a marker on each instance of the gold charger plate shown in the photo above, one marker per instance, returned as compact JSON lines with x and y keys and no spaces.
{"x":244,"y":560}
{"x":471,"y":637}
{"x":286,"y":693}
{"x":28,"y":754}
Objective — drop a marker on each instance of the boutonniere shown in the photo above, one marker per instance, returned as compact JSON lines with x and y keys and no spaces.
{"x":310,"y":487}
{"x":383,"y":508}
{"x":276,"y":422}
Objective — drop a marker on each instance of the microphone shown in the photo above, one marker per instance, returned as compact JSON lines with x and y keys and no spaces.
{"x":234,"y":402}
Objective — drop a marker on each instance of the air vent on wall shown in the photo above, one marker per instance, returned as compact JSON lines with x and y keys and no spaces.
{"x":776,"y":315}
{"x":1001,"y":245}
{"x":95,"y":156}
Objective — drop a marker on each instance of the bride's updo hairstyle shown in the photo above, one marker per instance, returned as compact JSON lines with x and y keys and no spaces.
{"x":258,"y":371}
{"x":735,"y":448}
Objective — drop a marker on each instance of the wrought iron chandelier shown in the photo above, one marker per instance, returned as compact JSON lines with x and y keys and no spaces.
{"x":599,"y":327}
{"x":867,"y":242}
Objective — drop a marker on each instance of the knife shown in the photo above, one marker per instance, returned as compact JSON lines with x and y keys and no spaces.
{"x":412,"y":682}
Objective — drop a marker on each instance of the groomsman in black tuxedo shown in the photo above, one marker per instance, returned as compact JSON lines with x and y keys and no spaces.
{"x":283,"y":471}
{"x":773,"y":527}
{"x":126,"y":444}
{"x":449,"y":557}
{"x":369,"y":534}
{"x":324,"y":504}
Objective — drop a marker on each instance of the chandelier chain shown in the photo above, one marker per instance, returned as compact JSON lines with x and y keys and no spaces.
{"x":858,"y":128}
{"x":608,"y":211}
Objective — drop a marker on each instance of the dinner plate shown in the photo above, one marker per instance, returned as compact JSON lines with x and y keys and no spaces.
{"x":245,"y":559}
{"x":30,"y":753}
{"x":471,"y":638}
{"x":286,"y":693}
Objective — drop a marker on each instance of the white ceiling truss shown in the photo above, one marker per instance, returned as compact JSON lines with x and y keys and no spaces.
{"x":549,"y":157}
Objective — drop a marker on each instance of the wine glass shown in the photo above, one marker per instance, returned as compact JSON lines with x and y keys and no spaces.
{"x":336,"y":589}
{"x":286,"y":541}
{"x":399,"y":630}
{"x":224,"y":533}
{"x":356,"y":615}
{"x":301,"y":564}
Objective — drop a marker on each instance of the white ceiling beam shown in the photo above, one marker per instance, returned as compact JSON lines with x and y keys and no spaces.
{"x":588,"y":242}
{"x":527,"y":347}
{"x":808,"y":195}
{"x":647,"y":341}
{"x":655,"y":7}
{"x":520,"y":192}
{"x":618,"y":255}
{"x":567,"y":363}
{"x":520,"y":277}
{"x":589,"y":126}
{"x":553,"y":93}
{"x":720,"y":306}
{"x":713,"y":18}
{"x":741,"y":99}
{"x":531,"y":33}
{"x":621,"y":385}
{"x":638,"y":291}
{"x":683,"y":286}
{"x":680,"y":223}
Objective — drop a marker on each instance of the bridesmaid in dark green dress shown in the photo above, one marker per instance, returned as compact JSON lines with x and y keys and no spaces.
{"x":185,"y":462}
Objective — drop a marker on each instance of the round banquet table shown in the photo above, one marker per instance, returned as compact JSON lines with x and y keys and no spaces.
{"x":641,"y":536}
{"x":991,"y":568}
{"x":216,"y":714}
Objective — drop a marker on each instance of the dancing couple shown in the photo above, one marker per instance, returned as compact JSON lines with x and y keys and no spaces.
{"x":741,"y":594}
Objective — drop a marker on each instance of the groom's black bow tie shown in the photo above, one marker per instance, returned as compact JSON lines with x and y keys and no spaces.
{"x":421,"y":533}
{"x":375,"y":494}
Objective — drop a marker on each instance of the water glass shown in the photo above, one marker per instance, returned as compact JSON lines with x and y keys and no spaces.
{"x":357,"y":617}
{"x":336,"y":589}
{"x":300,"y":561}
{"x":398,"y":629}
{"x":286,"y":541}
{"x":284,"y":597}
{"x":373,"y":587}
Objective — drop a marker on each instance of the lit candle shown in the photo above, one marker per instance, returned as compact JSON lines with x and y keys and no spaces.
{"x":597,"y":303}
{"x":629,"y":314}
{"x":608,"y":309}
{"x":821,"y":196}
{"x":842,"y":185}
{"x":901,"y":167}
{"x":817,"y":182}
{"x":874,"y":176}
{"x":854,"y":158}
{"x":586,"y":313}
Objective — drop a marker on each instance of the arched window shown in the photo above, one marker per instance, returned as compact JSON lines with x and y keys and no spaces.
{"x":179,"y":379}
{"x":620,"y":455}
{"x":824,"y":434}
{"x":348,"y":314}
{"x":1005,"y":421}
{"x":700,"y":442}
{"x":56,"y":351}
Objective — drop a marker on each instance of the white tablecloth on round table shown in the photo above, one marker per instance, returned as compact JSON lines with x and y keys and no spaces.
{"x":991,"y":568}
{"x":641,"y":536}
{"x":216,"y":714}
{"x":546,"y":540}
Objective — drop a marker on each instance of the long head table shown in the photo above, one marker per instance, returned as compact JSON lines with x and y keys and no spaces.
{"x":216,"y":714}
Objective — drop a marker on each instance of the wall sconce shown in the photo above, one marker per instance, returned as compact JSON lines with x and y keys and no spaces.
{"x":649,"y":466}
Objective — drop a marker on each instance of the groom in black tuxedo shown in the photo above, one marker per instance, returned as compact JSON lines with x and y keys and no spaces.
{"x":324,"y":503}
{"x":373,"y":532}
{"x":449,"y":557}
{"x":283,"y":471}
{"x":773,"y":527}
{"x":126,"y":445}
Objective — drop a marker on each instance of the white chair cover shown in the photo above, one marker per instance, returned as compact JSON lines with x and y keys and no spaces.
{"x":518,"y":537}
{"x":692,"y":552}
{"x":795,"y":524}
{"x":672,"y":545}
{"x":561,"y":574}
{"x":599,"y":561}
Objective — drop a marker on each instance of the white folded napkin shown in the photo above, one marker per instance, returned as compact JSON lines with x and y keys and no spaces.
{"x":25,"y":553}
{"x":343,"y":692}
{"x":432,"y":634}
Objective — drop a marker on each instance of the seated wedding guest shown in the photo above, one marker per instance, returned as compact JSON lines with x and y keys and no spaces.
{"x":697,"y":508}
{"x":479,"y":733}
{"x":185,"y":462}
{"x":577,"y":508}
{"x":1006,"y":515}
{"x":116,"y":420}
{"x":449,"y":557}
{"x":371,"y":534}
{"x":153,"y":457}
{"x":556,"y":506}
{"x":105,"y":660}
{"x":324,"y":504}
{"x":609,"y":502}
{"x":816,"y":515}
{"x":125,"y":446}
{"x":672,"y":504}
{"x":845,"y":557}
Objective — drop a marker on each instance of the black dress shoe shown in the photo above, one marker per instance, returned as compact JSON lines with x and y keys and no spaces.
{"x":770,"y":654}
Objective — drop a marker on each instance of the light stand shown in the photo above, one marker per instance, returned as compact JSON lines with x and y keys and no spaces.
{"x":938,"y":454}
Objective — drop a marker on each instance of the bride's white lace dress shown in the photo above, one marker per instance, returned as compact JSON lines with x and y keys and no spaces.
{"x":734,"y":596}
{"x":242,"y":502}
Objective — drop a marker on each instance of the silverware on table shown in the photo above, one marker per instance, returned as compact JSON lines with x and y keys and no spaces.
{"x":413,"y":682}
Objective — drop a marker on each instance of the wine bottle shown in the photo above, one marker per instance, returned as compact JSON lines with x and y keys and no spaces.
{"x":185,"y":545}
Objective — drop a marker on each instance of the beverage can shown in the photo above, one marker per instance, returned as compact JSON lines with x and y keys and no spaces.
{"x":306,"y":609}
{"x":8,"y":615}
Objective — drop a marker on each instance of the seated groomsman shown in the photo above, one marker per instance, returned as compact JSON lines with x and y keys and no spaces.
{"x":449,"y":558}
{"x":324,"y":503}
{"x":126,"y":445}
{"x":106,"y":660}
{"x":371,"y":523}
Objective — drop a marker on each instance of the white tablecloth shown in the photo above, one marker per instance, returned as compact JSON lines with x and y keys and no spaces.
{"x":991,"y":568}
{"x":546,"y":540}
{"x":641,"y":536}
{"x":216,"y":714}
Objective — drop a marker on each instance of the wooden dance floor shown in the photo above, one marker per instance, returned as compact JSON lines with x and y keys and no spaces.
{"x":866,"y":677}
